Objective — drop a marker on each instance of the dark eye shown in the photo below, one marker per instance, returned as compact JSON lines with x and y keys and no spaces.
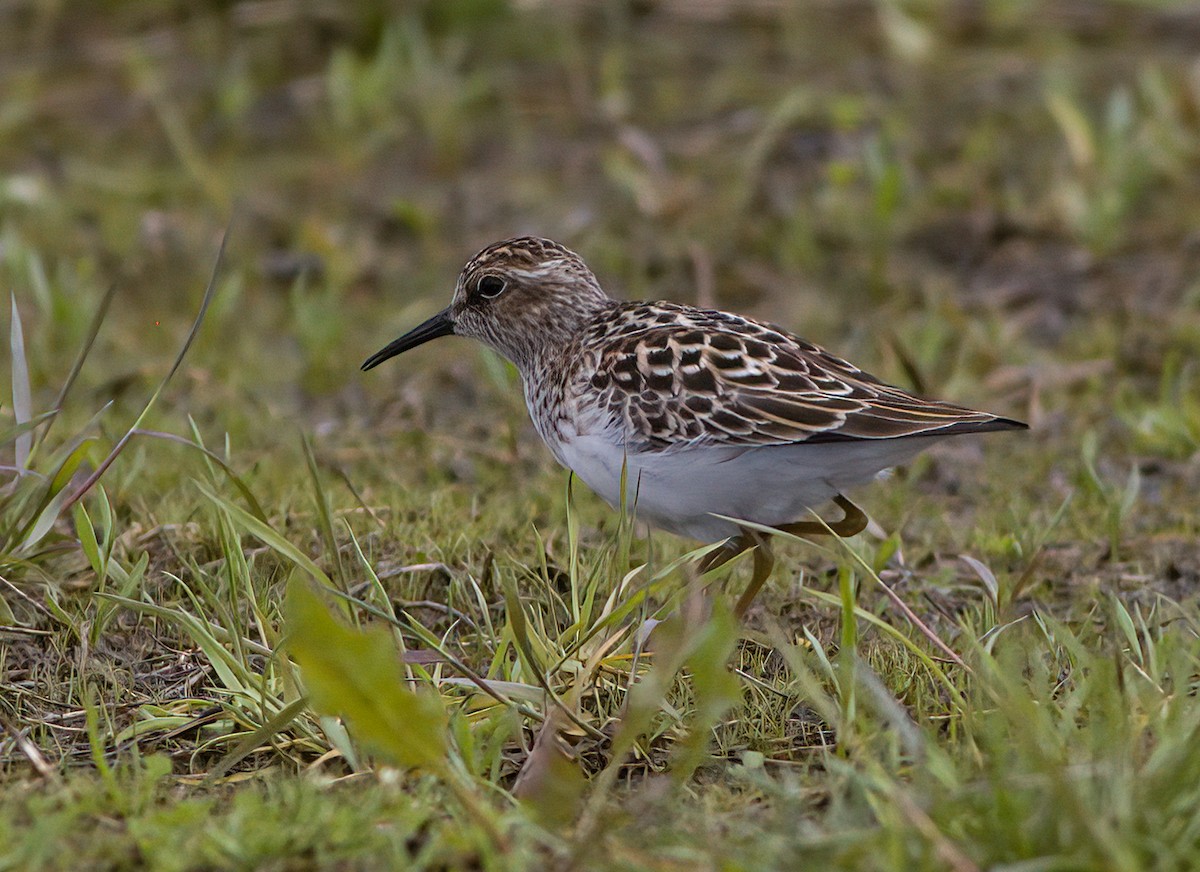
{"x":491,"y":287}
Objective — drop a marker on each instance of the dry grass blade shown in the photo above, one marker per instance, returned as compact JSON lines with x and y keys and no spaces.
{"x":31,"y":751}
{"x":550,"y":781}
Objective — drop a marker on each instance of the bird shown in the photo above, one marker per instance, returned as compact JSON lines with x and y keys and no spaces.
{"x":704,"y":419}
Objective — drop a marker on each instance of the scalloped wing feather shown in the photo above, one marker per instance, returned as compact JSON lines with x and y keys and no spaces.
{"x":671,"y":376}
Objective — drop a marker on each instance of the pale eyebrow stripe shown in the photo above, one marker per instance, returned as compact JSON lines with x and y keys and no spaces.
{"x":542,"y":270}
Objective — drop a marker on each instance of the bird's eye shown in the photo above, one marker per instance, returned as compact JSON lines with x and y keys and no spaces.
{"x":491,"y":287}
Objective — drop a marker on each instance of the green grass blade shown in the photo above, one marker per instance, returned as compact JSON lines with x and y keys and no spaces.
{"x":324,"y":514}
{"x":80,"y":358}
{"x":236,"y":480}
{"x":21,"y":394}
{"x":209,"y":292}
{"x":18,"y":430}
{"x":264,"y":532}
{"x":277,"y":724}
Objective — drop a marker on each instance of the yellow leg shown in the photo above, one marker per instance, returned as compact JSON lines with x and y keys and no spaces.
{"x":852,"y":522}
{"x":764,"y":562}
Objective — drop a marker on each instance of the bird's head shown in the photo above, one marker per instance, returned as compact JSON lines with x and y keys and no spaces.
{"x":522,"y":297}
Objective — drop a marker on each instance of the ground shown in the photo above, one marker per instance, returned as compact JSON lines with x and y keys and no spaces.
{"x":265,"y":611}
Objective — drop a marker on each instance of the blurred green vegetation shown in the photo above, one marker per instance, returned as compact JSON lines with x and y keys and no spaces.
{"x":994,"y":201}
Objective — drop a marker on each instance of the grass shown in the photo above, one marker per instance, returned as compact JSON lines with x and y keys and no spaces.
{"x":258,"y":610}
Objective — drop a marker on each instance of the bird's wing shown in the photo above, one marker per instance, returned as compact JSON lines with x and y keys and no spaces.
{"x":704,"y":377}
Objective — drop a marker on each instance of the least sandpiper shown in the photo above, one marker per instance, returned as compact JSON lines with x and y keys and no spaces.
{"x":710,"y":416}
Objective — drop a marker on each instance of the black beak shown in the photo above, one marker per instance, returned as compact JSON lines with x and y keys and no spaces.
{"x":440,"y":324}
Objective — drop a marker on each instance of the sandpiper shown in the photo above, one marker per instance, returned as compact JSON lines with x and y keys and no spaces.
{"x":712,"y":416}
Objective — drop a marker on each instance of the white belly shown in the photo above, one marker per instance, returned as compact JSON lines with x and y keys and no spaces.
{"x":683,"y":491}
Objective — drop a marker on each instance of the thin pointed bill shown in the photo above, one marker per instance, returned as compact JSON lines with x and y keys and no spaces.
{"x":440,"y":324}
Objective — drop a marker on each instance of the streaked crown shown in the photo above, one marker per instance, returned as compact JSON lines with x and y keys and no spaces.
{"x":525,"y":297}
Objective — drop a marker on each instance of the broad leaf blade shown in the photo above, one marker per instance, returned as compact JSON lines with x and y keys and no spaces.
{"x":358,"y":677}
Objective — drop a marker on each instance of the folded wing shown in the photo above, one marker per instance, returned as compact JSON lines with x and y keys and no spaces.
{"x":710,"y":377}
